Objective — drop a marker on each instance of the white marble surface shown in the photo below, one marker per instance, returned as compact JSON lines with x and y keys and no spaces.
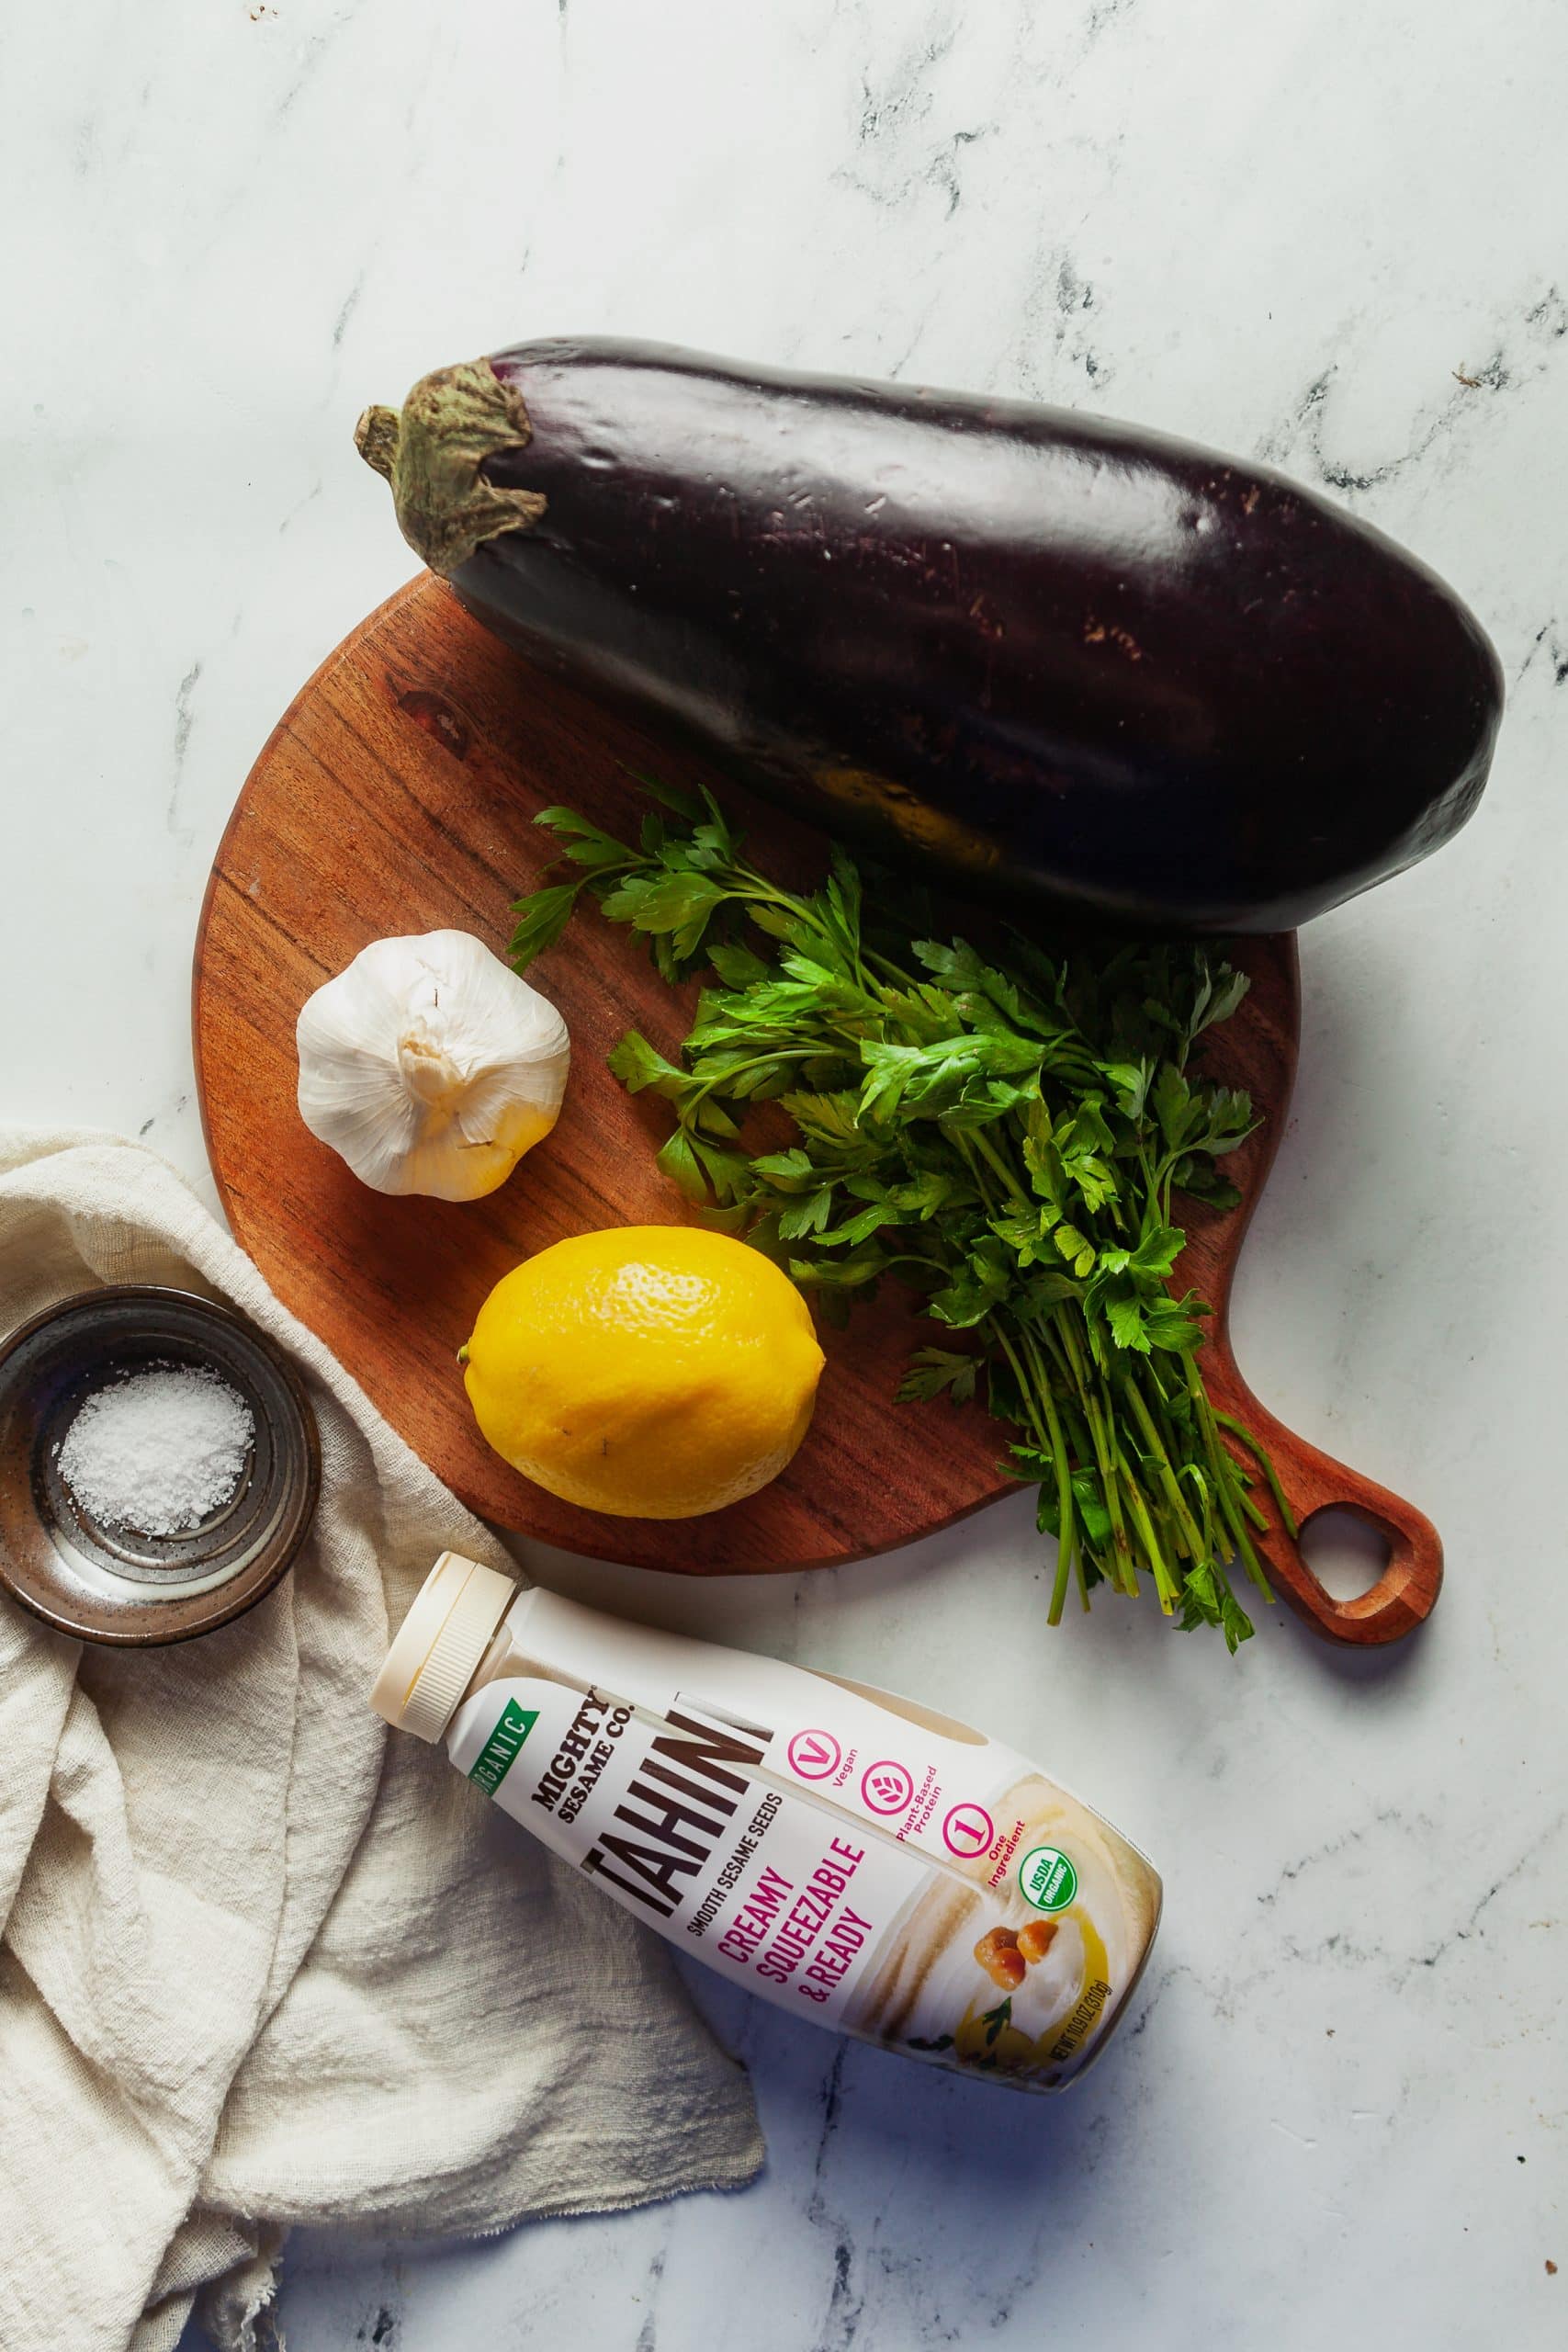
{"x":1331,"y":233}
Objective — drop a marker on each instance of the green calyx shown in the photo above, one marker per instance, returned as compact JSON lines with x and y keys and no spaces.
{"x":434,"y":451}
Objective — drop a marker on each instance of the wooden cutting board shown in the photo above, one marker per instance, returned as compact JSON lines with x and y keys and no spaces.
{"x":397,"y":795}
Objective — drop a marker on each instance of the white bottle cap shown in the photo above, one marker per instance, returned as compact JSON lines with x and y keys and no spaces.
{"x":439,"y":1644}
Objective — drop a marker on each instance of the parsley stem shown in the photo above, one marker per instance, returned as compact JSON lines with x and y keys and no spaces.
{"x":982,"y":1142}
{"x":1106,"y":1452}
{"x":1162,"y":1461}
{"x":1165,"y":1583}
{"x":1227,"y":1482}
{"x":1067,"y":1534}
{"x":1271,"y":1476}
{"x":1230,"y":1500}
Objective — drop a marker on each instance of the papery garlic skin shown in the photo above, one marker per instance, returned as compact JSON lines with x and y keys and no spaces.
{"x":430,"y":1066}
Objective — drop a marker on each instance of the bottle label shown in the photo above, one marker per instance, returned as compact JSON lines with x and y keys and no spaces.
{"x":851,"y":1860}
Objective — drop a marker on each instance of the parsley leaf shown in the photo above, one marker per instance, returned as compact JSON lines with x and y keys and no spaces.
{"x":934,"y":1370}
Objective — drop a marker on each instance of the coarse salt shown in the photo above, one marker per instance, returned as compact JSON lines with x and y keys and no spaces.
{"x":159,"y":1451}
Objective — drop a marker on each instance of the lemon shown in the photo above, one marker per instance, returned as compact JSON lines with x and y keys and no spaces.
{"x":654,"y":1371}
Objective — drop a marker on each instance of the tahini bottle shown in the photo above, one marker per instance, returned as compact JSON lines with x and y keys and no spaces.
{"x":845,"y":1853}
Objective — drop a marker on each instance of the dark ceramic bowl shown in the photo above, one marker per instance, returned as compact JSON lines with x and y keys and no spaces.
{"x":107,"y":1583}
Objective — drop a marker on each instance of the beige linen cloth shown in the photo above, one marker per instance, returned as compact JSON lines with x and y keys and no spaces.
{"x":262,"y":1961}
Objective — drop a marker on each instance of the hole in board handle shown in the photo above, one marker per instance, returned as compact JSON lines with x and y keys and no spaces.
{"x":1345,"y":1552}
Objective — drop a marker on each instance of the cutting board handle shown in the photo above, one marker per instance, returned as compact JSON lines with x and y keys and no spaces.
{"x":1313,"y":1483}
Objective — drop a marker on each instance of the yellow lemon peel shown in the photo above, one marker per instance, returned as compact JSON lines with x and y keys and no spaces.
{"x":651,"y":1372}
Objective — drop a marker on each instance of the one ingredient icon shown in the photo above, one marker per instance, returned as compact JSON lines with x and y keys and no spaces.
{"x":968,"y":1831}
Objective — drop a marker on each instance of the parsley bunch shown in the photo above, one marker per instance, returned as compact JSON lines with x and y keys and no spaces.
{"x":1007,"y":1137}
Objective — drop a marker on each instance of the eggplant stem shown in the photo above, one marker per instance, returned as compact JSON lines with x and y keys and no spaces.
{"x":434,"y":453}
{"x":375,"y":438}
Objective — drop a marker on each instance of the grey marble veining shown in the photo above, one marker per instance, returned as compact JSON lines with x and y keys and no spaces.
{"x":1329,"y":235}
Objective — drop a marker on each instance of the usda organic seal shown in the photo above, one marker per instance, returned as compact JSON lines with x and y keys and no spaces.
{"x":1047,"y":1878}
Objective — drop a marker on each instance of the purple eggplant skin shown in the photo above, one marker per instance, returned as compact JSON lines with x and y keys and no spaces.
{"x":1067,"y":664}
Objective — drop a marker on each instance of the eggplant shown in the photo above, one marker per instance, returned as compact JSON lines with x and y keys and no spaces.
{"x":1064,"y":663}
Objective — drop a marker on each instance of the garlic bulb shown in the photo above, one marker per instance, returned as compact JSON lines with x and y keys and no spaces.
{"x":430,"y":1066}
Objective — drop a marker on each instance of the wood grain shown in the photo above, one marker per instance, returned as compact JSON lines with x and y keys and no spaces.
{"x":397,"y":795}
